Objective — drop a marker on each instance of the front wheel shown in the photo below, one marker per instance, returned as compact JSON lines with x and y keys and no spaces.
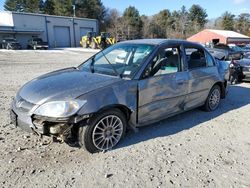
{"x":213,"y":99}
{"x":103,"y":132}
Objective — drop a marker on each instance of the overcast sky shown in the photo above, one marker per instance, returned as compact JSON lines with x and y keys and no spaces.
{"x":149,"y":7}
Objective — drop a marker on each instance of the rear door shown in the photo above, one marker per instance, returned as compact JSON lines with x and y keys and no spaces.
{"x":202,"y":73}
{"x":163,"y":90}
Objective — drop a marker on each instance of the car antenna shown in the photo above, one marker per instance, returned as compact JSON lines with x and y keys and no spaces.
{"x":111,"y":65}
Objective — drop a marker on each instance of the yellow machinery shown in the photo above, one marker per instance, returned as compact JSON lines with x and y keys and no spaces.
{"x":87,"y":39}
{"x":103,"y":41}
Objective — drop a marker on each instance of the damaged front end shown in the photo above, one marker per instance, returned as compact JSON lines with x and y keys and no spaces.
{"x":61,"y":129}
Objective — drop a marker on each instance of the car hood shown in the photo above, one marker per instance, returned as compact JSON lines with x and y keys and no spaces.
{"x":62,"y":85}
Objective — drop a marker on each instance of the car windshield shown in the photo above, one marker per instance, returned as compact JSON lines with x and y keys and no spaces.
{"x":122,"y":60}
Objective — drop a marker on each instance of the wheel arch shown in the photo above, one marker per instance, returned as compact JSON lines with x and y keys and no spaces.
{"x":124,"y":109}
{"x":222,"y":86}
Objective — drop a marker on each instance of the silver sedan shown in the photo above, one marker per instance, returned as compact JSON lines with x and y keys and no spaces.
{"x":128,"y":85}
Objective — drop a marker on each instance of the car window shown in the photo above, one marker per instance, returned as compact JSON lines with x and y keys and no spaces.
{"x":125,"y":60}
{"x":166,"y":61}
{"x":195,"y":58}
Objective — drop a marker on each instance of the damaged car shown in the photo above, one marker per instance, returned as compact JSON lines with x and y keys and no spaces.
{"x":126,"y":86}
{"x":240,"y":69}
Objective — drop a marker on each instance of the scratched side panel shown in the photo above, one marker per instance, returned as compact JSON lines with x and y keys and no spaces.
{"x":160,"y":96}
{"x":200,"y":82}
{"x":121,"y":93}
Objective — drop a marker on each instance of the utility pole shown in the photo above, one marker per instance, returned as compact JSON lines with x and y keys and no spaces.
{"x":74,"y":10}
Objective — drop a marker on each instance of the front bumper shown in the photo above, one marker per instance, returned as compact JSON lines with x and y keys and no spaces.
{"x":43,"y":125}
{"x":42,"y":46}
{"x":23,"y":120}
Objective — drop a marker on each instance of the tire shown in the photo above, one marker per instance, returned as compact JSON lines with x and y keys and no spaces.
{"x":213,"y":99}
{"x":93,"y":137}
{"x":93,"y":45}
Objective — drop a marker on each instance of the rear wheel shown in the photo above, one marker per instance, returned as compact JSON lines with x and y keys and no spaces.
{"x":213,"y":99}
{"x":104,"y":131}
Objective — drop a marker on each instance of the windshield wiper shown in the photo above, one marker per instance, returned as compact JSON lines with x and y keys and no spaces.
{"x":117,"y":74}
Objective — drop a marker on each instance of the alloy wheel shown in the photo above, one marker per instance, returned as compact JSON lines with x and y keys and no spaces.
{"x":214,"y":99}
{"x":107,"y":132}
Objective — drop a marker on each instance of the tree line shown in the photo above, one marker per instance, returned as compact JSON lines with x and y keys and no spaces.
{"x":131,"y":24}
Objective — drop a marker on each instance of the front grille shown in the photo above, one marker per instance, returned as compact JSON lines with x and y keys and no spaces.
{"x":23,"y":105}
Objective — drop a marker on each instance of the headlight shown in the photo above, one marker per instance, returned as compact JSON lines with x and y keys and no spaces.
{"x":59,"y":108}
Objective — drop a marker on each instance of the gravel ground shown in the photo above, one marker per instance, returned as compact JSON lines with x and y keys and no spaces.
{"x":194,"y":149}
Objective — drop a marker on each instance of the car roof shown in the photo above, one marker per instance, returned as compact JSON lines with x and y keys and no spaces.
{"x":160,"y":42}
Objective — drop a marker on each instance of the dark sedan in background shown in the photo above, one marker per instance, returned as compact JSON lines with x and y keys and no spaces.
{"x":37,"y":43}
{"x":10,"y":44}
{"x":128,"y":85}
{"x":226,"y":52}
{"x":244,"y":63}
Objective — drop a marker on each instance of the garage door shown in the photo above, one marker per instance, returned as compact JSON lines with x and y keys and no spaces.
{"x":85,"y":30}
{"x":62,"y":36}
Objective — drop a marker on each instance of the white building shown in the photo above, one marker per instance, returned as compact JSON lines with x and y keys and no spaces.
{"x":58,"y":31}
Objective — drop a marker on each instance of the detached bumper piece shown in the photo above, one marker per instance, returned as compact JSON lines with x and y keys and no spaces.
{"x":48,"y":126}
{"x":61,"y":128}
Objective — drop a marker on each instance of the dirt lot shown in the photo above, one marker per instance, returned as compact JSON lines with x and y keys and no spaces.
{"x":194,"y":149}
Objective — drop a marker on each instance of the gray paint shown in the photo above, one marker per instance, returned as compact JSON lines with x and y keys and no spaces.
{"x":148,"y":100}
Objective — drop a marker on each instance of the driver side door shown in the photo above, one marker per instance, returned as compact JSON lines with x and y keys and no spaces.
{"x":162,"y":93}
